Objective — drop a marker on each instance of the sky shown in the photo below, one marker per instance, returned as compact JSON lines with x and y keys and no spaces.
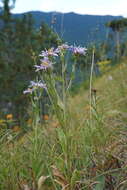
{"x":93,"y":7}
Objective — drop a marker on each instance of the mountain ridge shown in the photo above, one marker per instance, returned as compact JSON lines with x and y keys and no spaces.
{"x":80,"y":29}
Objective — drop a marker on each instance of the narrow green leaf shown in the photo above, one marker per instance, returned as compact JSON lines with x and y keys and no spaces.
{"x":60,"y":103}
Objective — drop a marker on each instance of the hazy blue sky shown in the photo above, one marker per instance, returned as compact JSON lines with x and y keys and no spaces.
{"x":99,"y":7}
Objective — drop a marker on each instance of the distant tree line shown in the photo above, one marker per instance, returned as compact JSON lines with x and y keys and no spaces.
{"x":20,"y":45}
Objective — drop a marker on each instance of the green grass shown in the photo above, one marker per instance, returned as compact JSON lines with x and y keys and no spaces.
{"x":86,"y":151}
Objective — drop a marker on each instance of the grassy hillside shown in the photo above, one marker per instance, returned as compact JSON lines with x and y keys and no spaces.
{"x":89,"y":154}
{"x":111,"y":91}
{"x":108,"y":112}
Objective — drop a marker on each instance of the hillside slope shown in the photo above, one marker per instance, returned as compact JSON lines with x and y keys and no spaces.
{"x":111,"y":90}
{"x":89,"y":152}
{"x":108,"y":107}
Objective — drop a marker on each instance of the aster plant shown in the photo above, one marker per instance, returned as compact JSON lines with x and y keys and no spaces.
{"x":56,"y":85}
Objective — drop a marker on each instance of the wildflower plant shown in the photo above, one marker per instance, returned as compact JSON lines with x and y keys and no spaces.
{"x":53,"y":78}
{"x":56,"y":84}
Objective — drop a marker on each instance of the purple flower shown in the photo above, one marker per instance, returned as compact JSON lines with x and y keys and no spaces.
{"x":48,"y":53}
{"x":62,"y":47}
{"x":37,"y":84}
{"x":78,"y":50}
{"x":28,"y":91}
{"x":45,"y":64}
{"x":33,"y":86}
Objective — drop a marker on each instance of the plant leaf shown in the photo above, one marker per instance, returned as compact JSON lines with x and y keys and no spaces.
{"x":101,"y":183}
{"x":60,"y":103}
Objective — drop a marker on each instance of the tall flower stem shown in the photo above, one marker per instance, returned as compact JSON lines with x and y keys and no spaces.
{"x":64,"y":88}
{"x":90,"y":91}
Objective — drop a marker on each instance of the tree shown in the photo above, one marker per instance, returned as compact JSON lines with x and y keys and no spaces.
{"x":18,"y":41}
{"x":118,"y":26}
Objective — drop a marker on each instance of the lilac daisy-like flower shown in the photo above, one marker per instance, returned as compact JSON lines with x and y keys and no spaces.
{"x":62,"y":47}
{"x":78,"y":50}
{"x":37,"y":84}
{"x":28,"y":91}
{"x":45,"y":64}
{"x":33,"y":86}
{"x":48,"y":53}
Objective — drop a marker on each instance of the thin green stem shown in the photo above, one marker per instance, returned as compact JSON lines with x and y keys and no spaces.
{"x":90,"y":90}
